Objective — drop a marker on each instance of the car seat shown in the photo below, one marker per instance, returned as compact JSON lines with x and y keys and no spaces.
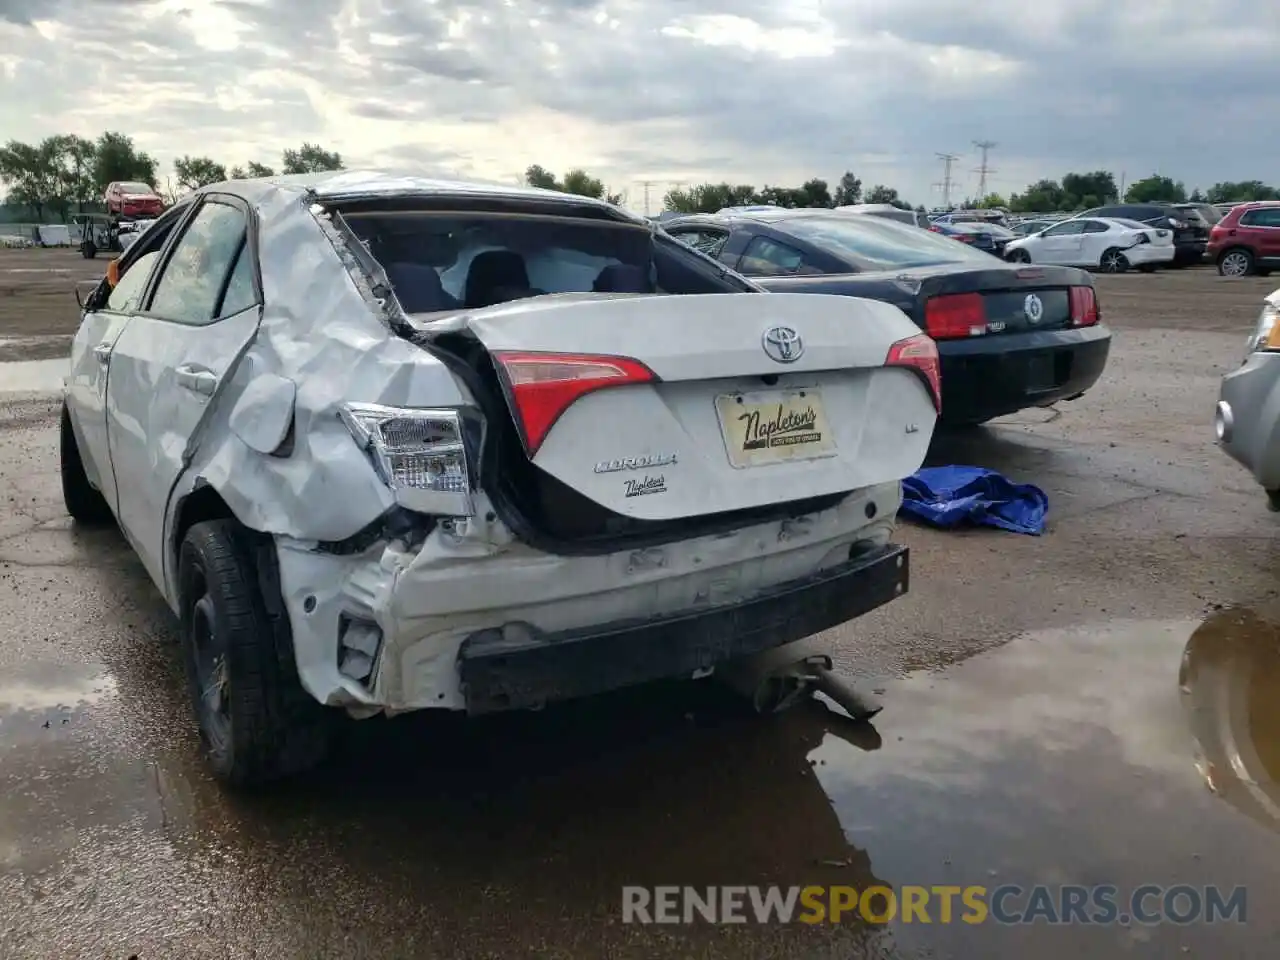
{"x":622,"y":278}
{"x":418,"y":288}
{"x":496,"y":276}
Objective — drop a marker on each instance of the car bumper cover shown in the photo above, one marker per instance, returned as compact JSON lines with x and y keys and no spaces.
{"x":1247,"y":419}
{"x":504,"y":669}
{"x":985,"y":377}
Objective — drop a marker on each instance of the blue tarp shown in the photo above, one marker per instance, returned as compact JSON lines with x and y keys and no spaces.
{"x":950,"y":496}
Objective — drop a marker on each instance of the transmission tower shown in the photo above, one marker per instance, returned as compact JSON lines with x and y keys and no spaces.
{"x":947,"y":160}
{"x":983,"y":169}
{"x":647,"y":184}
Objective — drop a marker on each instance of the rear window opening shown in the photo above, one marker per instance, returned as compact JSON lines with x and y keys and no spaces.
{"x":440,"y":261}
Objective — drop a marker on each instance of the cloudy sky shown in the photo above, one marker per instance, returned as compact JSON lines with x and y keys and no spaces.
{"x":666,"y":90}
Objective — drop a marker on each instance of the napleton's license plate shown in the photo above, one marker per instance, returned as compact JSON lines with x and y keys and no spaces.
{"x":777,"y":426}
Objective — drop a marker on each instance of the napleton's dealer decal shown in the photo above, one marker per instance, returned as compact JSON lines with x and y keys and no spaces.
{"x":775,"y":426}
{"x":642,"y":488}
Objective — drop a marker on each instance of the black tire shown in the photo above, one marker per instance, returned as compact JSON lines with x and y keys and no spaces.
{"x":257,"y":723}
{"x":1273,"y":501}
{"x":1147,"y":268}
{"x":1019,"y":256}
{"x":88,"y":250}
{"x":1236,"y":262}
{"x":85,"y":504}
{"x":1113,"y":261}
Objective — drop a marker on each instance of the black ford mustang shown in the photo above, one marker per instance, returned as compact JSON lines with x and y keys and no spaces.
{"x":1009,"y":336}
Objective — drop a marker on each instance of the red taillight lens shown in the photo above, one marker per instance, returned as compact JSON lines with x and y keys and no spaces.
{"x":955,"y":315}
{"x":1084,"y":306}
{"x":542,"y":386}
{"x":921,"y":354}
{"x":934,"y":230}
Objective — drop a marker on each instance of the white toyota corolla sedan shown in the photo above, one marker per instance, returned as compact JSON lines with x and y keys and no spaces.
{"x":387,"y":443}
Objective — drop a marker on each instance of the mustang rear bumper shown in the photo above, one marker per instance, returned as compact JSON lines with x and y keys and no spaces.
{"x":985,"y":377}
{"x":513,"y":668}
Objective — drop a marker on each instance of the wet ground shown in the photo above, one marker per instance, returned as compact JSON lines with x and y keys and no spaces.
{"x":1094,"y":706}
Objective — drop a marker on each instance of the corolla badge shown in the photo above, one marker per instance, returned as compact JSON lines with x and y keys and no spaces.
{"x":1033,"y":307}
{"x":783,"y":344}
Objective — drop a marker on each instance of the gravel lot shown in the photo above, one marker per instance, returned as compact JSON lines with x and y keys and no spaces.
{"x":1035,"y":729}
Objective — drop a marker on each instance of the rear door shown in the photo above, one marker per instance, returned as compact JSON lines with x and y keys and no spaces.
{"x":1263,"y":232}
{"x":168,"y":365}
{"x":1094,"y":240}
{"x":753,"y":399}
{"x":1062,"y":244}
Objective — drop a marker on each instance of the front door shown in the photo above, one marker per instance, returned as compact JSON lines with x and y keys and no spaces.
{"x":168,"y":366}
{"x":1061,"y":243}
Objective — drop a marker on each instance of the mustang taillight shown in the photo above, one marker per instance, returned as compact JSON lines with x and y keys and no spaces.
{"x":1084,"y":306}
{"x":955,"y":315}
{"x":542,"y":386}
{"x":921,"y":354}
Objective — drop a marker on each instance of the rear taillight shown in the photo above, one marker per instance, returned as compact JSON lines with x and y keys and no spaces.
{"x":542,"y":386}
{"x":921,"y":354}
{"x":1084,"y":306}
{"x":955,"y":315}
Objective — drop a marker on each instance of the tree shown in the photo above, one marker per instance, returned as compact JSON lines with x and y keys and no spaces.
{"x":990,"y":202}
{"x":196,"y":172}
{"x":259,"y":170}
{"x":1226,"y":191}
{"x":814,"y":193}
{"x":882,"y":194}
{"x":1154,"y":188}
{"x":310,"y":158}
{"x":709,"y":197}
{"x":1196,"y":196}
{"x":580,"y":182}
{"x":537,"y":176}
{"x":1043,"y":196}
{"x":116,"y":158}
{"x":27,"y":176}
{"x":848,"y":191}
{"x":1084,"y":190}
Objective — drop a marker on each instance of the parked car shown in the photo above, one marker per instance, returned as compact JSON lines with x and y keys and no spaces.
{"x":975,"y":235}
{"x":1009,"y":337}
{"x":387,"y":444}
{"x":133,"y":199}
{"x":1000,"y":236}
{"x":1189,"y":238}
{"x":1025,"y":228}
{"x":888,"y":211}
{"x":1205,"y":211}
{"x":998,"y":216}
{"x":1247,"y":240}
{"x":1109,"y":245}
{"x":1246,"y":421}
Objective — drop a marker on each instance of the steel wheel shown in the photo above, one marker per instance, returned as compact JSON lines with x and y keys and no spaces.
{"x":1235,"y":263}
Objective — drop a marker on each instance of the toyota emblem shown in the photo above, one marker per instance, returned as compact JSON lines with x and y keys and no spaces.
{"x":783,"y":344}
{"x":1033,"y":307}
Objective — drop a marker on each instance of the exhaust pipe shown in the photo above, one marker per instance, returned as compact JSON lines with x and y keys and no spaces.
{"x":777,"y":679}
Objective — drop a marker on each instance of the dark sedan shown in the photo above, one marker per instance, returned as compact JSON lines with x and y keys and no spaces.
{"x":1009,"y":337}
{"x":976,"y":235}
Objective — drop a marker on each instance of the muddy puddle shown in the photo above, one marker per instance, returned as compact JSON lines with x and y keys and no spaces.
{"x":1064,"y":757}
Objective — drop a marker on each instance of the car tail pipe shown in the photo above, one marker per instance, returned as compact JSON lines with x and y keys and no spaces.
{"x":777,"y":679}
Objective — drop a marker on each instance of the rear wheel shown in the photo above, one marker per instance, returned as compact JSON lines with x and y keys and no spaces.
{"x":85,"y":504}
{"x":257,"y":723}
{"x":1113,"y":261}
{"x":1236,"y":262}
{"x":1019,"y":256}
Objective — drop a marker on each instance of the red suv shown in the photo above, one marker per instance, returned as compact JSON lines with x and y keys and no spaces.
{"x":1247,"y":240}
{"x":132,"y":199}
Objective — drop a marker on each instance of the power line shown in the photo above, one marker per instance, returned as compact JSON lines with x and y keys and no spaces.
{"x":947,"y":160}
{"x":983,"y":169}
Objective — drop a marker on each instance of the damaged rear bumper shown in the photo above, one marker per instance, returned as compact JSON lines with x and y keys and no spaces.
{"x":408,"y":612}
{"x":517,"y":667}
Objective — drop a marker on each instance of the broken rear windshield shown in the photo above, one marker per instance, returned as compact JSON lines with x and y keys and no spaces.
{"x":450,"y":261}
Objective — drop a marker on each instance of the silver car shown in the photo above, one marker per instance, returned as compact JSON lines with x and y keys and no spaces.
{"x":1247,"y":420}
{"x":389,"y":444}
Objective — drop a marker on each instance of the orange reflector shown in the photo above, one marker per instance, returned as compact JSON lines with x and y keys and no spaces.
{"x":113,"y":272}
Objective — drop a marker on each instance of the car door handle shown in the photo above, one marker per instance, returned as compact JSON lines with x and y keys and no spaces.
{"x":103,"y":351}
{"x":199,"y":381}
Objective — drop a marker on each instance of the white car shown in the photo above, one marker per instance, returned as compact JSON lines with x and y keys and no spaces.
{"x":1109,"y":245}
{"x":130,"y":231}
{"x":387,"y":444}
